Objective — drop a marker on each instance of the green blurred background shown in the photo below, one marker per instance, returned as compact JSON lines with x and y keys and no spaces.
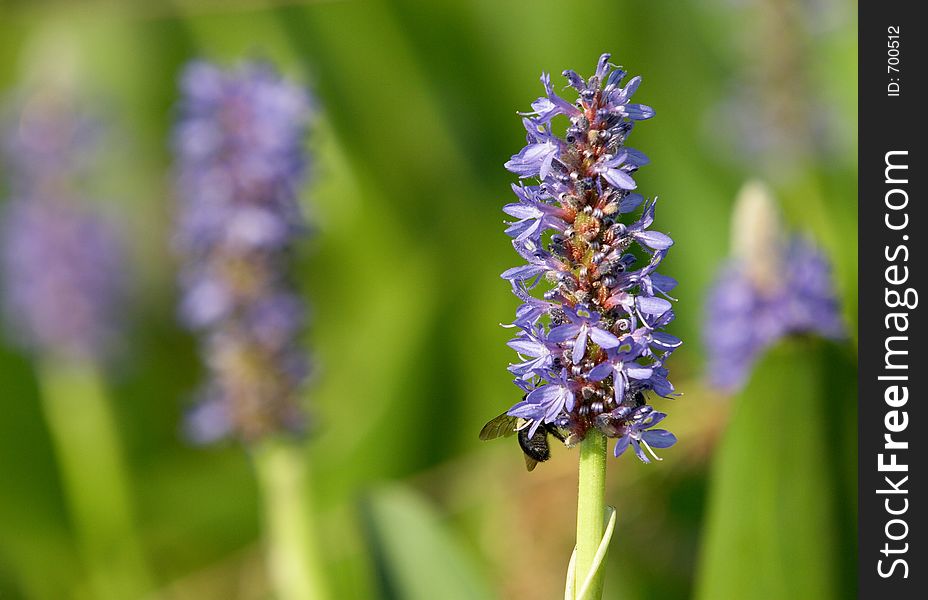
{"x":418,"y":102}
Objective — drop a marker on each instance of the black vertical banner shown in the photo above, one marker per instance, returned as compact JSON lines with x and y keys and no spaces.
{"x":893,"y":428}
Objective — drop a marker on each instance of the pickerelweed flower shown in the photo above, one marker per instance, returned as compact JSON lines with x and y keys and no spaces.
{"x":591,"y":346}
{"x":65,"y":284}
{"x":240,"y":165}
{"x":772,"y":287}
{"x":635,"y":427}
{"x":64,"y":276}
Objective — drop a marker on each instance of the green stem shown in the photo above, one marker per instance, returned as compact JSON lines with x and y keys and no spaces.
{"x":94,"y":478}
{"x":591,"y":511}
{"x":293,"y":560}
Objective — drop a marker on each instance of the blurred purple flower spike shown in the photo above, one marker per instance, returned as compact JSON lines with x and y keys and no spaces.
{"x":239,"y":143}
{"x":774,"y":286}
{"x":62,"y":262}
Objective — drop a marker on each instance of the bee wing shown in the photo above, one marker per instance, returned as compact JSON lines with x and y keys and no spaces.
{"x":502,"y":426}
{"x":530,"y":463}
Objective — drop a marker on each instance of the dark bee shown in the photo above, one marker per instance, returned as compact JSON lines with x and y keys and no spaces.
{"x":535,"y":448}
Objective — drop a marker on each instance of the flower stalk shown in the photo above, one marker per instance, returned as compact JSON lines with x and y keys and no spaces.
{"x":292,"y":556}
{"x":591,"y":513}
{"x":86,"y":444}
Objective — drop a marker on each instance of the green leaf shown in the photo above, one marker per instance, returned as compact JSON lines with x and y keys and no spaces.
{"x":415,"y":556}
{"x":570,"y":592}
{"x":778,"y":520}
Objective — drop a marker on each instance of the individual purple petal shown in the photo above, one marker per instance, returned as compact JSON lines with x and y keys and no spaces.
{"x":521,"y":273}
{"x":580,"y":345}
{"x":621,"y":446}
{"x":639,"y":452}
{"x":652,"y":305}
{"x":562,"y":333}
{"x":636,"y":157}
{"x":620,"y":385}
{"x":663,"y":283}
{"x":602,"y":67}
{"x":521,"y":211}
{"x":659,"y":438}
{"x":603,"y":338}
{"x":638,"y":112}
{"x":521,"y":230}
{"x":665,"y":340}
{"x":615,"y":78}
{"x":631,"y":87}
{"x":554,"y":105}
{"x":525,"y":346}
{"x":655,"y":240}
{"x":651,"y":419}
{"x":600,"y":371}
{"x":619,"y":179}
{"x":639,"y":372}
{"x":630,"y":203}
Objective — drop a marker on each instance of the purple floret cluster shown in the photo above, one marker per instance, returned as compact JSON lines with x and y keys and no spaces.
{"x":62,"y":262}
{"x":240,"y":154}
{"x":590,"y":335}
{"x":746,"y":316}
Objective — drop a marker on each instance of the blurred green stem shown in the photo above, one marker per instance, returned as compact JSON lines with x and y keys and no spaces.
{"x":94,"y":477}
{"x":591,"y":512}
{"x":293,"y":560}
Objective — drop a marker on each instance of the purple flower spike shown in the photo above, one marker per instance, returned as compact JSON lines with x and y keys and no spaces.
{"x":240,"y":165}
{"x":64,"y":275}
{"x":744,"y":318}
{"x":591,"y":341}
{"x":775,"y":286}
